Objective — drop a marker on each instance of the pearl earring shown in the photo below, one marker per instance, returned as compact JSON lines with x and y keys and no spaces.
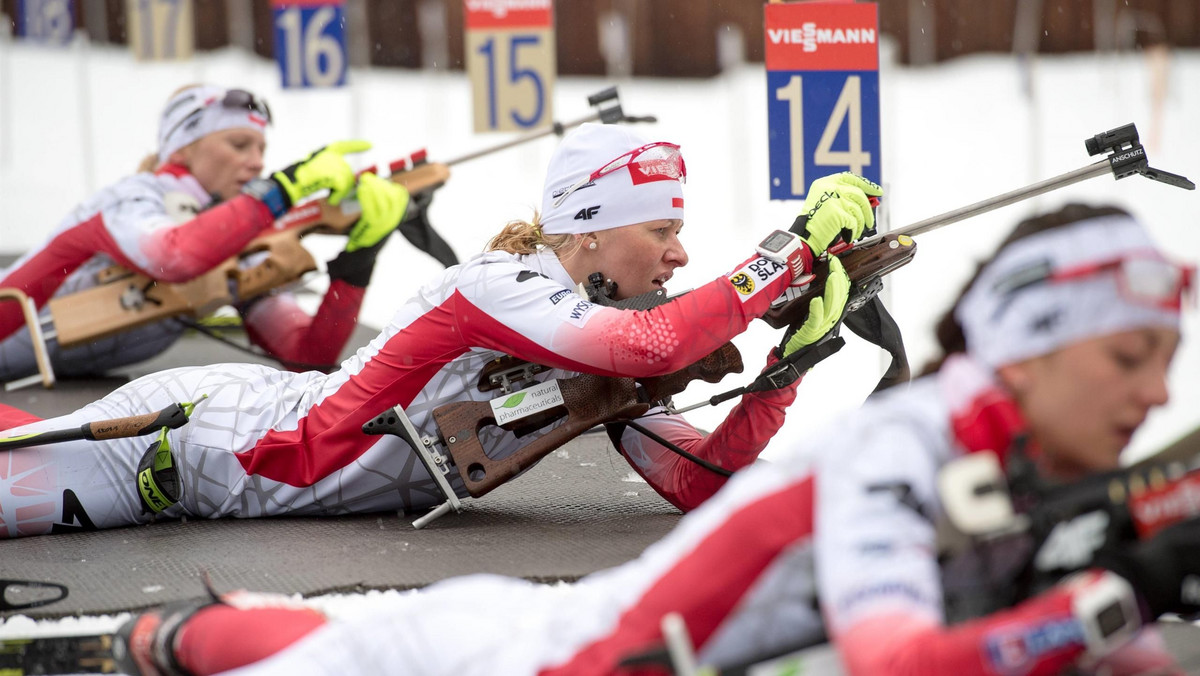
{"x":592,"y":245}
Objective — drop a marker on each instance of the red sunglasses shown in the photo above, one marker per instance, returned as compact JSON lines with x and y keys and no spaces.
{"x":1143,"y":277}
{"x":659,"y":161}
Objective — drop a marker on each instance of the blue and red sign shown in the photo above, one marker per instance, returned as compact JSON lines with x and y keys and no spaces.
{"x":822,"y":61}
{"x":310,"y":42}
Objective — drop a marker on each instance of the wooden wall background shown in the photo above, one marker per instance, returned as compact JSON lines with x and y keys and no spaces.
{"x":680,"y":38}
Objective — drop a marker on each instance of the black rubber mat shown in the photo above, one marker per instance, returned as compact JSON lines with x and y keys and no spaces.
{"x":580,"y":510}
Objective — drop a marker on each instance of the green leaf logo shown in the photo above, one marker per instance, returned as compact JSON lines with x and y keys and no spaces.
{"x":513,"y":401}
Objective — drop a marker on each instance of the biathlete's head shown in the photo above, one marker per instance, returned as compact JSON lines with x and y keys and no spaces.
{"x":1078,"y":314}
{"x":612,"y":203}
{"x":217,"y":134}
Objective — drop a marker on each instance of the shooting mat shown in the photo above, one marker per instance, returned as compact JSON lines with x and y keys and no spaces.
{"x":580,"y":510}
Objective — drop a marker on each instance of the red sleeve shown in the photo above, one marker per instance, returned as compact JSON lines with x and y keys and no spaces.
{"x":1039,"y":636}
{"x":735,"y":443}
{"x":190,"y":249}
{"x":175,"y":254}
{"x":527,"y":319}
{"x":283,"y":329}
{"x":11,"y":417}
{"x":222,"y":637}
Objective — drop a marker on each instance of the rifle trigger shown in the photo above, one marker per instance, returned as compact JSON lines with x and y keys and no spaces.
{"x":864,"y":293}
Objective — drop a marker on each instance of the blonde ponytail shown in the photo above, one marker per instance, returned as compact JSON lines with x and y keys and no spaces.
{"x":524,"y":237}
{"x":148,"y":164}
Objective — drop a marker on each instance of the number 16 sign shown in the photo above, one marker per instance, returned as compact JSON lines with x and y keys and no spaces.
{"x":822,"y":62}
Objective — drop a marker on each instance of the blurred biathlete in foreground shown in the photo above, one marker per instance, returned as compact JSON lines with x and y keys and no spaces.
{"x":1066,"y":338}
{"x":193,"y":205}
{"x":265,"y":442}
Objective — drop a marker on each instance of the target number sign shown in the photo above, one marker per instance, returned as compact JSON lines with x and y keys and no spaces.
{"x":310,"y":42}
{"x":510,"y":57}
{"x":822,"y":61}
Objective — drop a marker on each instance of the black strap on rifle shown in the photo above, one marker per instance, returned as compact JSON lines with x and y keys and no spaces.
{"x":616,"y":429}
{"x":874,"y":324}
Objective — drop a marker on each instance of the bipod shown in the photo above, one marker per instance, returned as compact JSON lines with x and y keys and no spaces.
{"x":396,"y":421}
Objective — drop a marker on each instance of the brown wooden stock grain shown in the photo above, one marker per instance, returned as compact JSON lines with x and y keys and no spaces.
{"x":862,"y":265}
{"x":105,"y":310}
{"x":712,"y":368}
{"x":589,"y":399}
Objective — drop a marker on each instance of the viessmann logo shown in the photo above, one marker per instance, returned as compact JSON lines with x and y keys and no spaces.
{"x":501,"y":8}
{"x":809,"y":35}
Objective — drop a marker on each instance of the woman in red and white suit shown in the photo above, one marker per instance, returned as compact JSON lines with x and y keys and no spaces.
{"x":194,"y":204}
{"x":1059,"y":348}
{"x":263,"y":442}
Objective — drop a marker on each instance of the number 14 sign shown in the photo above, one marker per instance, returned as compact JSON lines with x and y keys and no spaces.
{"x":822,"y":62}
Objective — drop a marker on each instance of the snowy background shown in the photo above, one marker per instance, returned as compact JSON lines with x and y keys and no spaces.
{"x":73,"y":120}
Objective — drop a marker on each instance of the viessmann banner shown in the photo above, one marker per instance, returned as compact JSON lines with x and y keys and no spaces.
{"x":822,"y":61}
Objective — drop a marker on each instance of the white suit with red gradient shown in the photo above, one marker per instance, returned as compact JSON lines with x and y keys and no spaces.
{"x":264,"y":442}
{"x":845,"y":517}
{"x":165,"y":226}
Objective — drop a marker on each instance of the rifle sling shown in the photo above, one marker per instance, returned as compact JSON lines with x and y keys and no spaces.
{"x":874,"y":324}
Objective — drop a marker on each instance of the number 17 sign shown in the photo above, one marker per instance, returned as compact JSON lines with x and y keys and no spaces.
{"x":822,"y":62}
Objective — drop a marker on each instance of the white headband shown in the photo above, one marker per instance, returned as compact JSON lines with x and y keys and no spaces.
{"x":1003,"y":325}
{"x":197,"y":112}
{"x":611,"y":201}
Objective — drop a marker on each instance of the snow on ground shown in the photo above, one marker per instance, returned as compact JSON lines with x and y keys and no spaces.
{"x":73,"y":120}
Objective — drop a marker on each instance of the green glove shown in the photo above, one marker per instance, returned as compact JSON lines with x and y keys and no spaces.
{"x":823,"y":312}
{"x":837,"y":206}
{"x":325,"y":168}
{"x":383,"y":203}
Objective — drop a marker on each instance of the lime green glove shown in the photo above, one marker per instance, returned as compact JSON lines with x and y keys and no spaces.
{"x":837,"y":207}
{"x":325,"y":168}
{"x":823,"y":312}
{"x":384,"y":204}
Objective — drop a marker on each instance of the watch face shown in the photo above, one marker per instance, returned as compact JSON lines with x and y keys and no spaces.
{"x":776,"y":241}
{"x":1111,"y":619}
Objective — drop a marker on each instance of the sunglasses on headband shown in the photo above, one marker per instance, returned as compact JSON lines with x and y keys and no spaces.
{"x":1143,"y":277}
{"x":235,"y":99}
{"x":659,"y":161}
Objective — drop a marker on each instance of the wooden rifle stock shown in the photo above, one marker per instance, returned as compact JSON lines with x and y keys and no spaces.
{"x":589,"y":400}
{"x":125,"y":300}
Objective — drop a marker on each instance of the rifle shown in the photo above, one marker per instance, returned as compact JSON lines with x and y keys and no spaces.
{"x":584,"y":401}
{"x":1069,"y":522}
{"x":869,"y":259}
{"x":124,"y":300}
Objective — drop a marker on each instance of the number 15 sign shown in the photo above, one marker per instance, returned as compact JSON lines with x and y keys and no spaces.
{"x":511,"y":63}
{"x":822,"y":63}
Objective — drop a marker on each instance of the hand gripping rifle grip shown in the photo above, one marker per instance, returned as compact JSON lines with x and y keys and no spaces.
{"x":863,"y":265}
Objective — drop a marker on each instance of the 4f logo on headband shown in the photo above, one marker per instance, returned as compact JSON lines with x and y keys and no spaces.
{"x":587,"y":213}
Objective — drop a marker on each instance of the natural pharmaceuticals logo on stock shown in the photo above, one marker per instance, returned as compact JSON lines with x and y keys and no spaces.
{"x":808,"y":35}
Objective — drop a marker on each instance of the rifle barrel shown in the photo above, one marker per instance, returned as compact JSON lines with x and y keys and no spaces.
{"x":556,"y":128}
{"x":1012,"y":197}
